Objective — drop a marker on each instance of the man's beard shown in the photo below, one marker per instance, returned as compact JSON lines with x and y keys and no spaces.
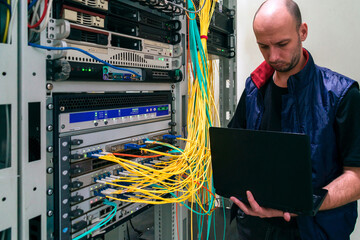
{"x":294,"y":60}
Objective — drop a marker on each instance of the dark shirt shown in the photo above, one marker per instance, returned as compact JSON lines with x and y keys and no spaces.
{"x":346,"y":126}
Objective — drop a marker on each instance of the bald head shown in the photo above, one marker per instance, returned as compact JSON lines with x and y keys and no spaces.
{"x":279,"y":34}
{"x":272,"y":8}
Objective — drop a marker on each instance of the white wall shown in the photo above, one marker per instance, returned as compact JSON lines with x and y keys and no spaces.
{"x":333,"y":40}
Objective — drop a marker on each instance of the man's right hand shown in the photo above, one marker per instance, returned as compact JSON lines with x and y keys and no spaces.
{"x":256,"y":210}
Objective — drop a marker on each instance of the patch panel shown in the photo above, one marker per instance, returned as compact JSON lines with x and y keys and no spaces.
{"x":92,"y":217}
{"x":85,"y":206}
{"x":122,"y":215}
{"x":88,"y":179}
{"x":79,"y":174}
{"x":114,"y":146}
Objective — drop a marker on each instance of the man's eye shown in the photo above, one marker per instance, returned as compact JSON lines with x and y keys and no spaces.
{"x":263,"y":47}
{"x":282,"y":44}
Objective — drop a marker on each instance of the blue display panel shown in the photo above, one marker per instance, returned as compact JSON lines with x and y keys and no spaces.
{"x":160,"y":110}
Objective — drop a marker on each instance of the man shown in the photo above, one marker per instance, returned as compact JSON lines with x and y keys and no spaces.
{"x":289,"y":93}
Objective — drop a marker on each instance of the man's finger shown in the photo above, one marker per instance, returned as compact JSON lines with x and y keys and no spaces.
{"x":254,"y":205}
{"x":241,"y":205}
{"x":287,"y":216}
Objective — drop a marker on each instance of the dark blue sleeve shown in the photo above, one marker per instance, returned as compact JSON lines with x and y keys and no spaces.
{"x":239,"y":118}
{"x":347,"y":128}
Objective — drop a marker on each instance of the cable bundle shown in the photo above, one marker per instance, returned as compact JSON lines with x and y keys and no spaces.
{"x":185,"y":174}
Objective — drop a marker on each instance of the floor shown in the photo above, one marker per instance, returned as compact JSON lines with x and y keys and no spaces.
{"x":143,"y":227}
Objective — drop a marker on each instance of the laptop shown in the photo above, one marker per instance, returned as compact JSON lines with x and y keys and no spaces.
{"x":274,"y":166}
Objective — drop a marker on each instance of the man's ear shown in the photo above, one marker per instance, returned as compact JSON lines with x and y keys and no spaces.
{"x":303,"y":31}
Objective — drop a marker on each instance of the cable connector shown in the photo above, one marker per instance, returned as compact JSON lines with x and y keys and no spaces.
{"x":170,"y":136}
{"x":133,"y":146}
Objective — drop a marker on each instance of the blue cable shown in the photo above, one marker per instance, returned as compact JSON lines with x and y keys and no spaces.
{"x":85,"y":52}
{"x":33,"y":2}
{"x":103,"y":222}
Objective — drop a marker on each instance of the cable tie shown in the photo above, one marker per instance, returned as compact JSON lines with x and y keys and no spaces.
{"x":204,"y":36}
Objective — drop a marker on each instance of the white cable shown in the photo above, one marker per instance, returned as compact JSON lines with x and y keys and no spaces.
{"x":46,"y":20}
{"x":124,"y":173}
{"x":14,"y":9}
{"x":110,"y":178}
{"x":36,"y":8}
{"x":113,"y":176}
{"x":99,"y":181}
{"x":35,"y":17}
{"x":108,"y":191}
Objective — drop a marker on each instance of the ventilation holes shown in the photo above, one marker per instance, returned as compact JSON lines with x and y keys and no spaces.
{"x":112,"y":101}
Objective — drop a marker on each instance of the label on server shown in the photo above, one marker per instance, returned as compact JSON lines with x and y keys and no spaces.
{"x":90,"y":119}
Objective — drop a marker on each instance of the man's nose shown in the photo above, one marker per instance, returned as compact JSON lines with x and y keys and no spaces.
{"x":274,"y":55}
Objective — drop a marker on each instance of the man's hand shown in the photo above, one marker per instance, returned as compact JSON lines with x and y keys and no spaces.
{"x":256,"y":210}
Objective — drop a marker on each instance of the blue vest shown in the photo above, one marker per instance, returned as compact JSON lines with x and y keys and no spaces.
{"x":310,"y":108}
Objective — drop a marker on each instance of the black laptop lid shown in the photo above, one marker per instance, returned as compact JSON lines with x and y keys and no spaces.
{"x":274,"y":166}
